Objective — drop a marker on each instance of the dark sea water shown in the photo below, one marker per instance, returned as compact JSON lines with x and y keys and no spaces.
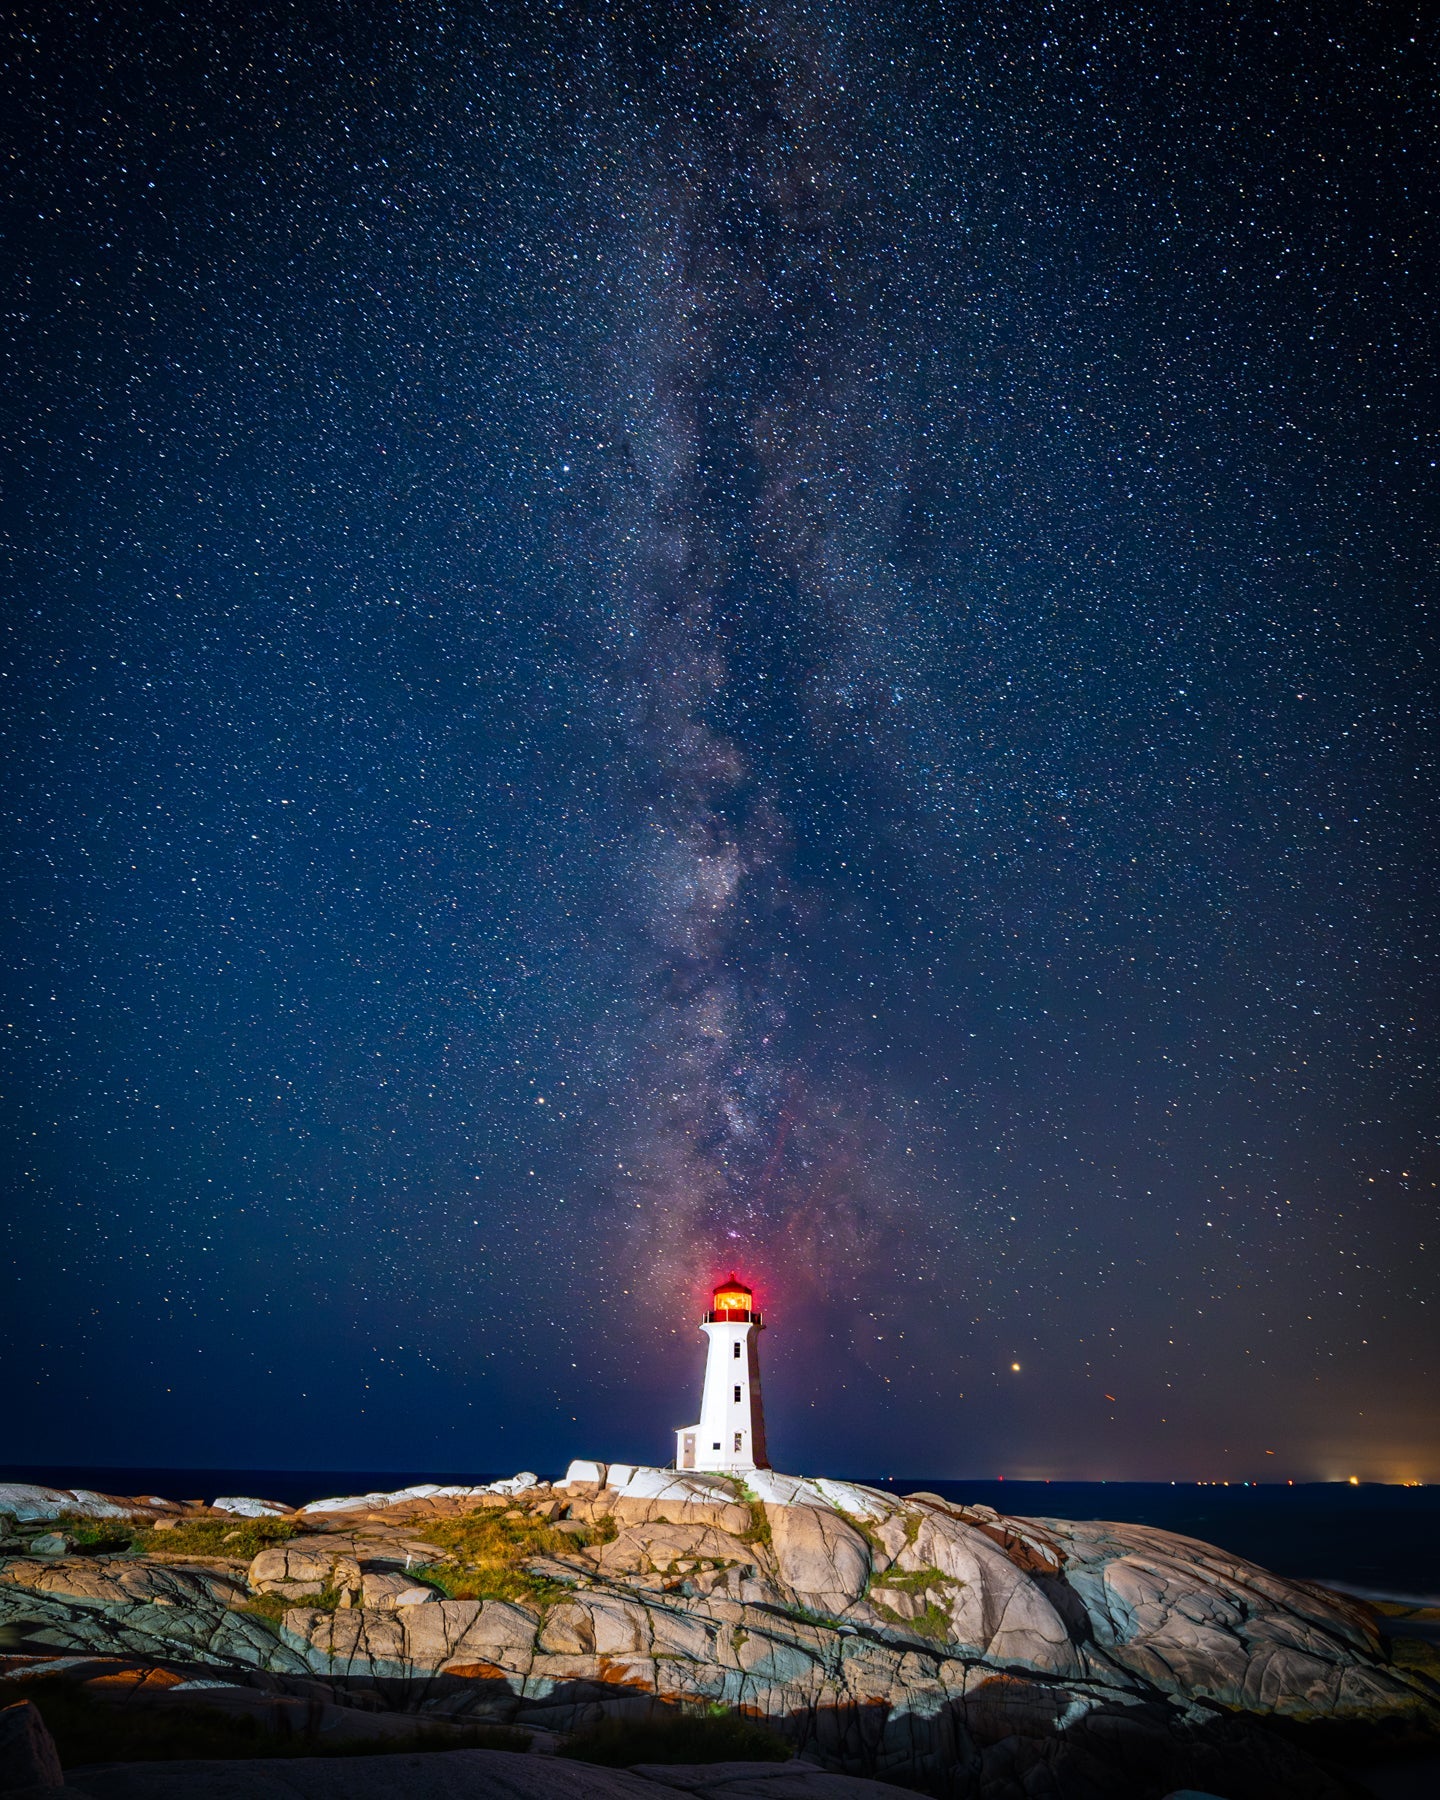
{"x":1382,"y":1541}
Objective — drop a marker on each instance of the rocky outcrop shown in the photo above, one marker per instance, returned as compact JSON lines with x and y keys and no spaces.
{"x":305,"y":1571}
{"x":28,"y":1758}
{"x":377,"y":1502}
{"x":987,"y":1656}
{"x":819,"y":1556}
{"x":22,"y":1502}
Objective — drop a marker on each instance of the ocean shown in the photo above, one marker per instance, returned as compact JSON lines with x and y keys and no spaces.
{"x":1380,"y":1541}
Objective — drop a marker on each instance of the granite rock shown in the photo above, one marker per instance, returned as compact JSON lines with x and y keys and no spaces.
{"x":28,"y":1758}
{"x":304,"y":1571}
{"x":821,"y":1557}
{"x":27,"y":1503}
{"x":911,"y":1638}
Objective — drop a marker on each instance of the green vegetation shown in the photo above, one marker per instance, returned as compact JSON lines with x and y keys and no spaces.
{"x":95,"y":1537}
{"x":205,"y":1540}
{"x":758,"y":1530}
{"x":934,"y":1621}
{"x":823,"y":1620}
{"x":1417,"y":1655}
{"x":870,"y":1535}
{"x":716,"y":1736}
{"x":488,"y":1554}
{"x":200,"y":1539}
{"x":272,"y":1608}
{"x":914,"y":1581}
{"x":88,"y":1730}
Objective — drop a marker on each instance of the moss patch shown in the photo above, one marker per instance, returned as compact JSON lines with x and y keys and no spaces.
{"x":758,"y":1530}
{"x":915,"y":1581}
{"x":490,"y":1553}
{"x":934,"y":1621}
{"x":272,"y":1608}
{"x":267,"y":1607}
{"x":203,"y":1539}
{"x":95,"y":1537}
{"x":1417,"y":1655}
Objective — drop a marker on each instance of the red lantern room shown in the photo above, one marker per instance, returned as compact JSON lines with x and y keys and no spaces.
{"x":731,"y":1304}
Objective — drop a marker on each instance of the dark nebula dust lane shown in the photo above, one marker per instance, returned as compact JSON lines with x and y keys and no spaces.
{"x":694,"y":638}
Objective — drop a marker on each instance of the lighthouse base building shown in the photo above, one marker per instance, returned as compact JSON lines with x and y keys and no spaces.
{"x":731,"y":1432}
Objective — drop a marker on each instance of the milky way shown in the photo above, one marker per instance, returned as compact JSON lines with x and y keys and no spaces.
{"x":690,"y":637}
{"x":732,"y":343}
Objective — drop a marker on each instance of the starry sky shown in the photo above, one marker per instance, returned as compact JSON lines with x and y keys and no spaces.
{"x":642,"y":640}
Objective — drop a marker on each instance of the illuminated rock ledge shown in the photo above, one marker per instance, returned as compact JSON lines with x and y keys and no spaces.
{"x":900,"y":1639}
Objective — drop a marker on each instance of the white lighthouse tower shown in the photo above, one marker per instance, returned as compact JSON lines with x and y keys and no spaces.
{"x":731,"y":1432}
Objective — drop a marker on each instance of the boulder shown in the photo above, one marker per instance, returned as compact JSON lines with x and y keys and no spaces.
{"x":245,"y":1507}
{"x":590,"y":1473}
{"x":680,"y":1499}
{"x":774,"y":1489}
{"x":515,"y":1484}
{"x":995,"y":1609}
{"x":1022,"y":1540}
{"x":383,"y":1588}
{"x":821,"y":1558}
{"x":28,"y":1758}
{"x":299,"y":1571}
{"x":26,"y":1503}
{"x":656,"y":1546}
{"x":424,"y":1491}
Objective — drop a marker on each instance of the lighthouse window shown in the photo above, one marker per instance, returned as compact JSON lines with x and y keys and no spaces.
{"x":737,"y":1392}
{"x":736,"y":1350}
{"x":714,"y":1446}
{"x":739,"y":1439}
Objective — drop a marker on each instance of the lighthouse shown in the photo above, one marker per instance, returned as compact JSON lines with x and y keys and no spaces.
{"x":731,"y":1432}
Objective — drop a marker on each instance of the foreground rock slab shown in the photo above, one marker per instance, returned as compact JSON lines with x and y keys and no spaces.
{"x":469,"y":1775}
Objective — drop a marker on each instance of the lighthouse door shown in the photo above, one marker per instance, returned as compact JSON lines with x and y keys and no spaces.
{"x":689,"y":1458}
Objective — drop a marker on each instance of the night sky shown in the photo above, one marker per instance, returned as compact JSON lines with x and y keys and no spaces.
{"x":655,"y":640}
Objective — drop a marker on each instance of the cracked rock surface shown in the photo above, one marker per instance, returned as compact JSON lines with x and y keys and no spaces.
{"x":913,"y":1639}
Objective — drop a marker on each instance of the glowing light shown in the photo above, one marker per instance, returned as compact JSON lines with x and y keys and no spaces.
{"x":732,"y":1300}
{"x":1015,"y":1367}
{"x":1354,"y":1481}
